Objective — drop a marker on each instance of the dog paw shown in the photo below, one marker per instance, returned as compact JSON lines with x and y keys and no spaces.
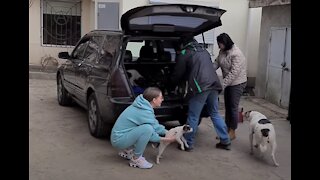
{"x":276,"y":164}
{"x":155,"y":145}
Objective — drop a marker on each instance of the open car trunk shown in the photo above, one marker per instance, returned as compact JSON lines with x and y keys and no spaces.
{"x":152,"y":65}
{"x":150,"y":62}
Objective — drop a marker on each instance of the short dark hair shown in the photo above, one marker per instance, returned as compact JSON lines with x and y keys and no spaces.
{"x":150,"y":93}
{"x":225,"y":39}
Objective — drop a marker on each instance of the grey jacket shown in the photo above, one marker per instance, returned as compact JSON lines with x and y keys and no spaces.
{"x":233,"y":65}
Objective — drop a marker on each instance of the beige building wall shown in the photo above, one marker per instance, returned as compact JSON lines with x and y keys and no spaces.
{"x":87,"y":10}
{"x":252,"y":47}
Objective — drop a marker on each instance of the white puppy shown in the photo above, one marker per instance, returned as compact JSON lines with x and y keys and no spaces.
{"x":178,"y":133}
{"x":263,"y":132}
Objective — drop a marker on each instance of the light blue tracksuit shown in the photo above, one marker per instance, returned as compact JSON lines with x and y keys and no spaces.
{"x":136,"y":126}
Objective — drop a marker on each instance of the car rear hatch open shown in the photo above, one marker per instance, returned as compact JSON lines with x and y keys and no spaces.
{"x":170,"y":20}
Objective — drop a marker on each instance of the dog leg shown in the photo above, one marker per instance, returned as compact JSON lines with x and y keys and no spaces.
{"x":259,"y":145}
{"x":251,"y":142}
{"x":161,"y":149}
{"x":181,"y":143}
{"x":184,"y":141}
{"x":274,"y":147}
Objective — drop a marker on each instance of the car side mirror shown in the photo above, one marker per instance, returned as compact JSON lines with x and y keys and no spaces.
{"x":64,"y":55}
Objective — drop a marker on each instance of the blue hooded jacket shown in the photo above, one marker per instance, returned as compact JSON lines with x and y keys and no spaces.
{"x":138,"y":113}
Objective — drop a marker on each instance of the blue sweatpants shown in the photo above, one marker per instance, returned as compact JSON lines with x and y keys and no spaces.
{"x":138,"y":138}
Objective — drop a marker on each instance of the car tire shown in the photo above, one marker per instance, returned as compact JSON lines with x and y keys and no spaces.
{"x":64,"y":98}
{"x":97,"y":127}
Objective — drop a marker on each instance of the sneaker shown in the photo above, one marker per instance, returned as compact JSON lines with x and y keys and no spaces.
{"x":127,"y":154}
{"x":188,"y":149}
{"x":141,"y":162}
{"x":223,"y":146}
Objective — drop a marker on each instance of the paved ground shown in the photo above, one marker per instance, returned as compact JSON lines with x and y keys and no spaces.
{"x":61,"y":147}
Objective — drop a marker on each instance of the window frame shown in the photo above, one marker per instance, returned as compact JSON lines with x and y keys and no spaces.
{"x":42,"y":24}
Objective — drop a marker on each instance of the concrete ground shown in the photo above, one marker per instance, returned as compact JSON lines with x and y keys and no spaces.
{"x":61,"y":147}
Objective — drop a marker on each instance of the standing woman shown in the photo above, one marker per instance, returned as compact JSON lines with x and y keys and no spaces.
{"x":233,"y":65}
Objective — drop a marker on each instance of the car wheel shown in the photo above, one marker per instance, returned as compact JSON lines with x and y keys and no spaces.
{"x":97,"y":127}
{"x":64,"y":98}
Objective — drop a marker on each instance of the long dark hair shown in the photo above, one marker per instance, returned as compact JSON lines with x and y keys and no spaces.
{"x":225,"y":39}
{"x":150,"y":93}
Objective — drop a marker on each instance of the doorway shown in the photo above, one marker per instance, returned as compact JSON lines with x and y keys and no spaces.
{"x":108,"y":15}
{"x":278,"y":81}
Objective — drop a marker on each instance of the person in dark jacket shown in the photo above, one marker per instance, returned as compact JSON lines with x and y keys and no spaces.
{"x":194,"y":63}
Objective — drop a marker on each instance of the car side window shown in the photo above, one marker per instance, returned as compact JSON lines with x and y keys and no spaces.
{"x":110,"y":48}
{"x":92,"y":52}
{"x":79,"y":51}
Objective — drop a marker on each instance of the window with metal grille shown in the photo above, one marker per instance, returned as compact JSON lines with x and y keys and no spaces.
{"x":61,"y":22}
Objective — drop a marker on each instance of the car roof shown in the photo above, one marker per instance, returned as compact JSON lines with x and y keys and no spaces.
{"x":104,"y":31}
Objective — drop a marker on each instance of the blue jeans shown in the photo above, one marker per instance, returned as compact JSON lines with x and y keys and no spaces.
{"x":196,"y":104}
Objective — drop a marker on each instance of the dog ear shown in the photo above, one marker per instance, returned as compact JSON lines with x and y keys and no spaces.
{"x":247,"y":114}
{"x":186,"y":127}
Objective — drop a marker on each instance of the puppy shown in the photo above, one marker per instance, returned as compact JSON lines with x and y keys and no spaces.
{"x":178,"y":133}
{"x":263,"y":132}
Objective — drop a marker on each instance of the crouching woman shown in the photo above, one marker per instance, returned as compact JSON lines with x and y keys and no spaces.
{"x":136,"y":126}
